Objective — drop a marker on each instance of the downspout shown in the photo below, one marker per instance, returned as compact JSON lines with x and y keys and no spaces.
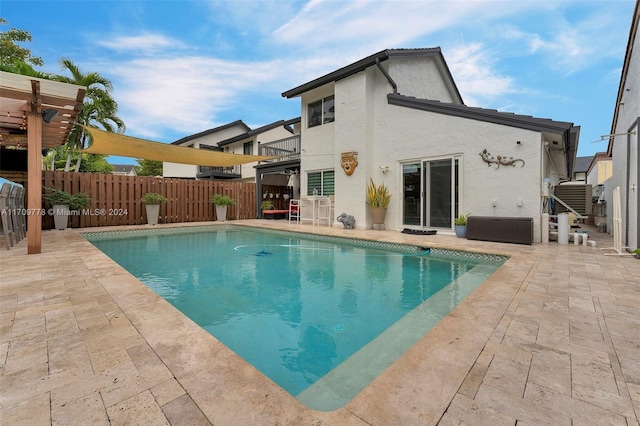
{"x":388,"y":77}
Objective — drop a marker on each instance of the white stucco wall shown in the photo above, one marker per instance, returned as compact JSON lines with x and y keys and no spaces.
{"x":317,"y":142}
{"x":179,"y":170}
{"x":625,"y":153}
{"x":354,"y":131}
{"x":419,"y":77}
{"x":405,"y":135}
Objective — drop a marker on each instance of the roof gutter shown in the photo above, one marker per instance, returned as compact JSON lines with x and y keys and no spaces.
{"x":388,"y":77}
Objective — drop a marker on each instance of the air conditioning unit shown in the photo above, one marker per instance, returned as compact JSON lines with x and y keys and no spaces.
{"x":578,"y":197}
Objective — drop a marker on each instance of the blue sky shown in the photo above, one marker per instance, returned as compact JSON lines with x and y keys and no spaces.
{"x":181,"y":67}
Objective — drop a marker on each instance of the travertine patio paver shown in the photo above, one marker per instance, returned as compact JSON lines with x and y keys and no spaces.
{"x":553,"y":337}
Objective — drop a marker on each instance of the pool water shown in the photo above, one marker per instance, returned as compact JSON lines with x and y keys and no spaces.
{"x":321,"y":318}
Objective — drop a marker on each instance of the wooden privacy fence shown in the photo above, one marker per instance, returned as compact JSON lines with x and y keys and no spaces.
{"x":115,"y":200}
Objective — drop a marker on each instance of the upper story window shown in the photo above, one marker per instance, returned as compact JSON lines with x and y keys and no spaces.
{"x":321,"y":112}
{"x":248,"y":148}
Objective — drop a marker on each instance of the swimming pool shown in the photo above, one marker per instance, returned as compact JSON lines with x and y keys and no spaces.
{"x":320,"y":316}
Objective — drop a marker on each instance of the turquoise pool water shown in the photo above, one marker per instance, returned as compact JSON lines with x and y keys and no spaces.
{"x":320,"y":316}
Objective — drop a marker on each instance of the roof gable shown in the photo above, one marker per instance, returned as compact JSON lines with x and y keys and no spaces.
{"x":254,"y":132}
{"x":372,"y":60}
{"x":123,"y":168}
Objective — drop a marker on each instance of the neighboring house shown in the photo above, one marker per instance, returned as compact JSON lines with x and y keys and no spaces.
{"x":234,"y":138}
{"x":623,"y":142}
{"x":397,"y":117}
{"x":279,"y":139}
{"x":124,"y":170}
{"x":600,"y":169}
{"x":207,"y":139}
{"x":580,"y":168}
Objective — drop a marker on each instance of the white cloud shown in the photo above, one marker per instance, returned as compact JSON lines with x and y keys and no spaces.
{"x":570,"y":46}
{"x":185,"y":94}
{"x":474,"y":74}
{"x":144,"y":43}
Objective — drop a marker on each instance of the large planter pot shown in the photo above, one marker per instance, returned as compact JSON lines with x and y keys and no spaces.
{"x":153,"y":211}
{"x":221,"y":213}
{"x":60,"y":216}
{"x":378,"y":215}
{"x":461,"y":231}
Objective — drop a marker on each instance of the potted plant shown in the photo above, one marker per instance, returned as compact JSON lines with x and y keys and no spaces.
{"x":221,"y":202}
{"x":636,"y":252}
{"x":378,"y":199}
{"x":266,"y":205}
{"x":460,"y":225}
{"x":62,"y":203}
{"x":152,"y":201}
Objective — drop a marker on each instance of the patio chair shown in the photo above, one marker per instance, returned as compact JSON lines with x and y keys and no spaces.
{"x":325,"y":210}
{"x":5,"y":211}
{"x":22,"y":217}
{"x":301,"y":210}
{"x":16,"y":212}
{"x":294,"y":210}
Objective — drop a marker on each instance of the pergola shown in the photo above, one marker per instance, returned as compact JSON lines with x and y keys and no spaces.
{"x":36,"y":113}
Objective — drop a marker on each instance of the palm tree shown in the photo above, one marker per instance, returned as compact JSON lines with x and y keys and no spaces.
{"x":99,"y":108}
{"x":23,"y":68}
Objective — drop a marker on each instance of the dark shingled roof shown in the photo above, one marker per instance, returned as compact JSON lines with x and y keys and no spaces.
{"x":123,"y":168}
{"x":569,"y":132}
{"x":210,"y":131}
{"x":582,"y":164}
{"x":256,"y":132}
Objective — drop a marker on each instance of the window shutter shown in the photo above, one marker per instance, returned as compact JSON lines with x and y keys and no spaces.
{"x":328,"y":182}
{"x":314,"y":180}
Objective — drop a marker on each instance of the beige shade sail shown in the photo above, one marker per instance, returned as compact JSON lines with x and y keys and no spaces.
{"x":109,"y":143}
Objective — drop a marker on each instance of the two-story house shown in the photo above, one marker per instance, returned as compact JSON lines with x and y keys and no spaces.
{"x":207,"y":139}
{"x":398,"y":118}
{"x":234,"y":138}
{"x":279,"y":139}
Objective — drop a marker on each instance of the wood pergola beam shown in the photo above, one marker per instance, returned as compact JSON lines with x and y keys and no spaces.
{"x":34,"y":174}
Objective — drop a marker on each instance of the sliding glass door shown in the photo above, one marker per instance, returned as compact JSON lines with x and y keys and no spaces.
{"x":430,"y":192}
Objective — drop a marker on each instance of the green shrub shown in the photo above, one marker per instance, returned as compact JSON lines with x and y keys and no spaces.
{"x":462,"y":219}
{"x":75,"y":201}
{"x":222,"y":200}
{"x":153,"y":198}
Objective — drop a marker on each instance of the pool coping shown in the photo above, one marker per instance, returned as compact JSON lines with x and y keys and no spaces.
{"x":416,"y":388}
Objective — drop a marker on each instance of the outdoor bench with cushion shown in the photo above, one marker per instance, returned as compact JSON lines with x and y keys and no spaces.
{"x":275,"y":214}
